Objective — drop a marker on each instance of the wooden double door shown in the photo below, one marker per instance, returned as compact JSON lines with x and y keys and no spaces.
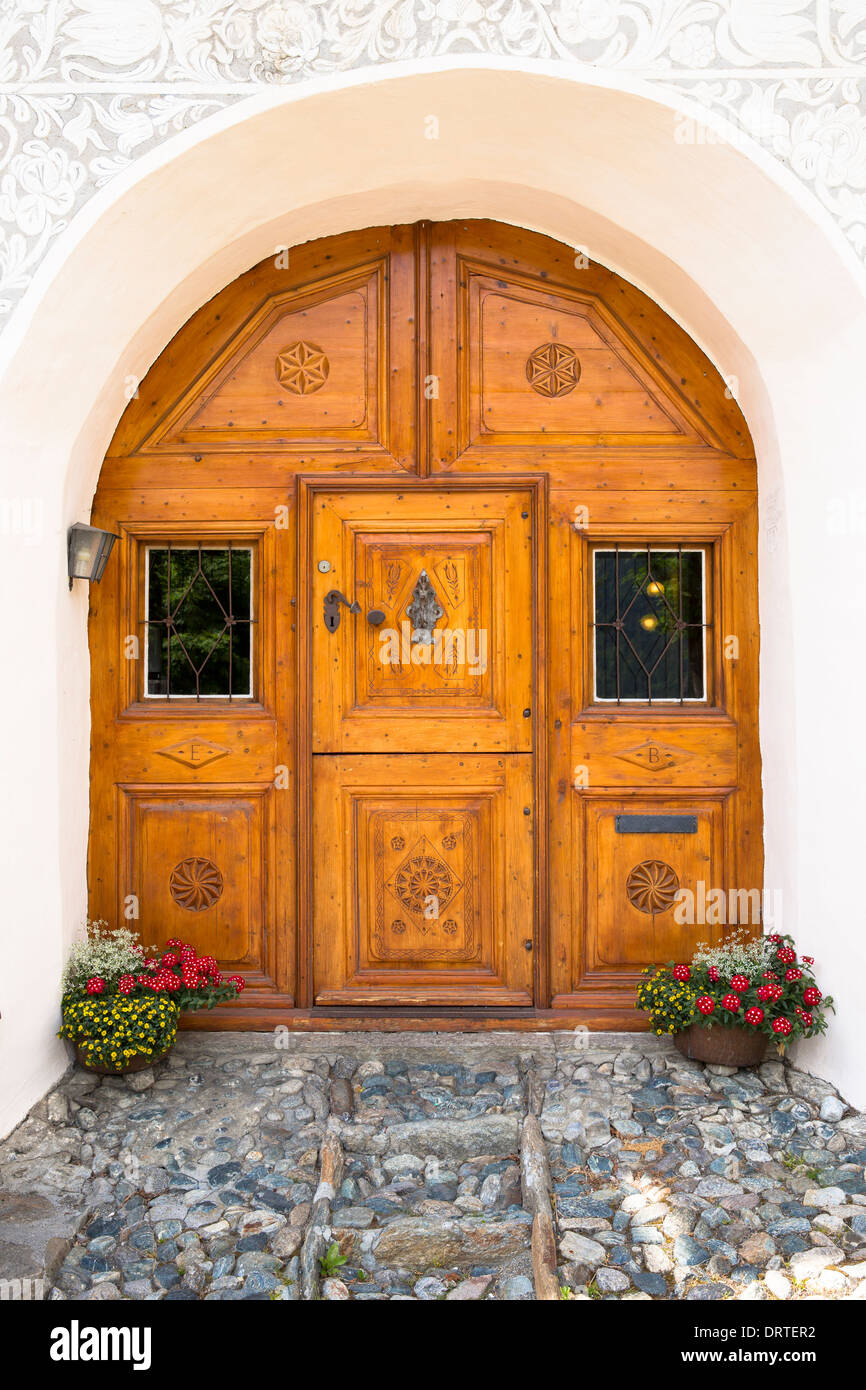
{"x":425,"y":670}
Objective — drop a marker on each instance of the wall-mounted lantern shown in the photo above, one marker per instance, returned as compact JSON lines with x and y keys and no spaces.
{"x":87,"y":550}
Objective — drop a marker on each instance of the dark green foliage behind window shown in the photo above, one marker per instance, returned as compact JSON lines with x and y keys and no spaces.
{"x":199,"y":619}
{"x":649,"y":625}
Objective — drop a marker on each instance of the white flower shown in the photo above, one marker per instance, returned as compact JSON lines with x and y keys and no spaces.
{"x":113,"y":33}
{"x":829,"y":145}
{"x":40,"y":186}
{"x":289,"y":35}
{"x":694,"y":46}
{"x":578,"y":20}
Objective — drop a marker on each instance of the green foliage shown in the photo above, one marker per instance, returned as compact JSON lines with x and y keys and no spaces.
{"x":196,"y":592}
{"x":332,"y":1261}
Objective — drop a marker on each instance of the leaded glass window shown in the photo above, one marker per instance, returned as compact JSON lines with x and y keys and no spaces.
{"x":198,"y":622}
{"x":650,"y":624}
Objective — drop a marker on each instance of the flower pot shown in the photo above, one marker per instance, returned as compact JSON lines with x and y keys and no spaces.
{"x":724,"y":1047}
{"x":139,"y":1063}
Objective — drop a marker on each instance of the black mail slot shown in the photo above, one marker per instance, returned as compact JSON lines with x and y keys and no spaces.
{"x":656,"y":825}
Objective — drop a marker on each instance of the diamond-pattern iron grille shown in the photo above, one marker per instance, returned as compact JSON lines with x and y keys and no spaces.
{"x":199,"y":622}
{"x":650,"y":625}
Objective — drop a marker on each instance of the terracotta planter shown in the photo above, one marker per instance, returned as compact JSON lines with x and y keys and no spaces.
{"x":725,"y":1047}
{"x":139,"y":1063}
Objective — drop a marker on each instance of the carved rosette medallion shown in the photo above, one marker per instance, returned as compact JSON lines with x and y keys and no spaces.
{"x":652,"y":886}
{"x":423,"y":876}
{"x":553,"y":369}
{"x":196,"y":884}
{"x":302,"y":368}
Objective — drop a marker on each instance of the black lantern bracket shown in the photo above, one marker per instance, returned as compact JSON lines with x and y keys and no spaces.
{"x":87,"y":552}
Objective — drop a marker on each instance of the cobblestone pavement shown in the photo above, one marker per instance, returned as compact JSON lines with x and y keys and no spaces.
{"x":436,"y":1166}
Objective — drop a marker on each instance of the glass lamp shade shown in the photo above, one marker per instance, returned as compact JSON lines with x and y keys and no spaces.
{"x":88,"y":550}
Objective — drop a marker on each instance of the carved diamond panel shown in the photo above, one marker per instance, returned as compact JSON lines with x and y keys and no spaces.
{"x":424,"y":879}
{"x":654,"y":756}
{"x":194,"y":752}
{"x":433,"y":889}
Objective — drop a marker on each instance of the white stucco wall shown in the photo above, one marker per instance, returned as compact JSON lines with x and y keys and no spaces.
{"x":727,"y":242}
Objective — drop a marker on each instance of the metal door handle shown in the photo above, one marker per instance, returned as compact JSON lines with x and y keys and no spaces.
{"x":333,"y":599}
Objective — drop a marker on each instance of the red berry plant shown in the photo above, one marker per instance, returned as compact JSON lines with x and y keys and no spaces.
{"x":121,"y":1000}
{"x":759,"y":984}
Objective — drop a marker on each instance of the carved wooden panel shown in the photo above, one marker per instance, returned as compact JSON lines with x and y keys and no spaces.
{"x":423,"y":879}
{"x":398,"y":661}
{"x":542,"y":356}
{"x":426,"y":881}
{"x":311,"y":352}
{"x":295,"y":372}
{"x":554,"y":368}
{"x":632,"y":880}
{"x":460,"y":561}
{"x":195,"y":863}
{"x":684,"y":751}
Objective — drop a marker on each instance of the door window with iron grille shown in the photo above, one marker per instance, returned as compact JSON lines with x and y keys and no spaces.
{"x":198,"y":622}
{"x":650,"y":624}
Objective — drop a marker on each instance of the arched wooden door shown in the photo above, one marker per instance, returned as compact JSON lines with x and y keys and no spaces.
{"x":425,"y":671}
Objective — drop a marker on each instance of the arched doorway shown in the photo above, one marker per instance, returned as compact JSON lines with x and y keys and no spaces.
{"x":473,"y":798}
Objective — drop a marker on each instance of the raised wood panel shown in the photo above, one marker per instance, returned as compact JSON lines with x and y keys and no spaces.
{"x":196,"y":861}
{"x":312,"y":373}
{"x":690,"y":751}
{"x":423,"y":880}
{"x":543,"y":368}
{"x":502,"y":296}
{"x":374,"y":689}
{"x":614,"y":936}
{"x":624,"y":869}
{"x":316,"y":356}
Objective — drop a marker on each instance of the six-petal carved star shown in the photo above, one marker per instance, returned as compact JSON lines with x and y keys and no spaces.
{"x":302,"y":368}
{"x":553,"y":369}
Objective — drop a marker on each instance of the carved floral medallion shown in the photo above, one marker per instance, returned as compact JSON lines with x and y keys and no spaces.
{"x":422,"y":878}
{"x":196,"y":884}
{"x":652,"y":886}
